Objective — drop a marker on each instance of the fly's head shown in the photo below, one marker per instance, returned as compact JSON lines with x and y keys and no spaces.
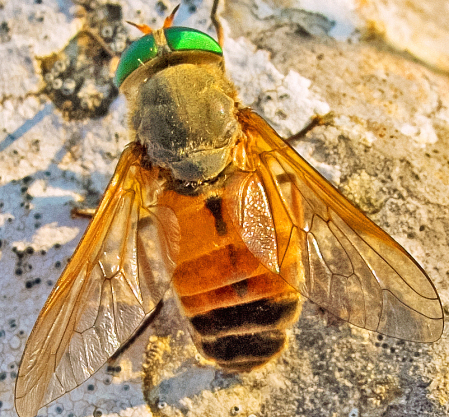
{"x":182,"y":106}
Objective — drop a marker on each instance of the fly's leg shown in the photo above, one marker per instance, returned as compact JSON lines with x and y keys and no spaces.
{"x":317,"y":120}
{"x":83,"y":213}
{"x":152,"y":376}
{"x":142,"y":327}
{"x":217,"y":24}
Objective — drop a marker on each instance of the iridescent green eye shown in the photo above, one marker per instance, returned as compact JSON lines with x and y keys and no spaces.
{"x":135,"y":55}
{"x":178,"y":39}
{"x":187,"y":39}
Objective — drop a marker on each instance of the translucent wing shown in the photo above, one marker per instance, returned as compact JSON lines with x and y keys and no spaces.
{"x":322,"y":245}
{"x":118,"y":274}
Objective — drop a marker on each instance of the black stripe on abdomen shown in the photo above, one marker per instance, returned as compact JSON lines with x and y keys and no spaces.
{"x":214,"y":205}
{"x":243,"y":352}
{"x":261,"y":313}
{"x":248,"y":335}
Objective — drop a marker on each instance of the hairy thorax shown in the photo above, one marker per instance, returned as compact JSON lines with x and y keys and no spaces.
{"x":186,"y":119}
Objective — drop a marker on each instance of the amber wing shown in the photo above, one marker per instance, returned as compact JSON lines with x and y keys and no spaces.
{"x":118,"y":274}
{"x":322,"y":245}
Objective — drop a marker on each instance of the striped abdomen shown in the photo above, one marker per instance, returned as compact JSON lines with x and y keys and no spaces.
{"x":238,"y":309}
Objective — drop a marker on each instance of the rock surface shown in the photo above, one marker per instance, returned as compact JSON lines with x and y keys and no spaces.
{"x":386,"y":149}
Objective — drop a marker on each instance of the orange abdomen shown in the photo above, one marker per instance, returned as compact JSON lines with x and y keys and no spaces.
{"x":238,"y":309}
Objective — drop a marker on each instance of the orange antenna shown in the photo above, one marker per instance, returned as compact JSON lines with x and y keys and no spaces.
{"x":169,"y":19}
{"x":143,"y":28}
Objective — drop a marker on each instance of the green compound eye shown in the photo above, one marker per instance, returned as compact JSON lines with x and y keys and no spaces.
{"x":185,"y":39}
{"x":135,"y":55}
{"x":145,"y":49}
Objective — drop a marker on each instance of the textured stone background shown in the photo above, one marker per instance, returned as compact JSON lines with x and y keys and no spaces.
{"x":380,"y":67}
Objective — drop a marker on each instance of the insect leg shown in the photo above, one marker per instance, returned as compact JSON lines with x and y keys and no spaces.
{"x":317,"y":120}
{"x":83,"y":213}
{"x":216,"y":22}
{"x":148,"y":321}
{"x":151,"y":378}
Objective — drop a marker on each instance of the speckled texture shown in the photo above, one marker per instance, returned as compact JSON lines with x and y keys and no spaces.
{"x":386,"y":149}
{"x":421,"y":28}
